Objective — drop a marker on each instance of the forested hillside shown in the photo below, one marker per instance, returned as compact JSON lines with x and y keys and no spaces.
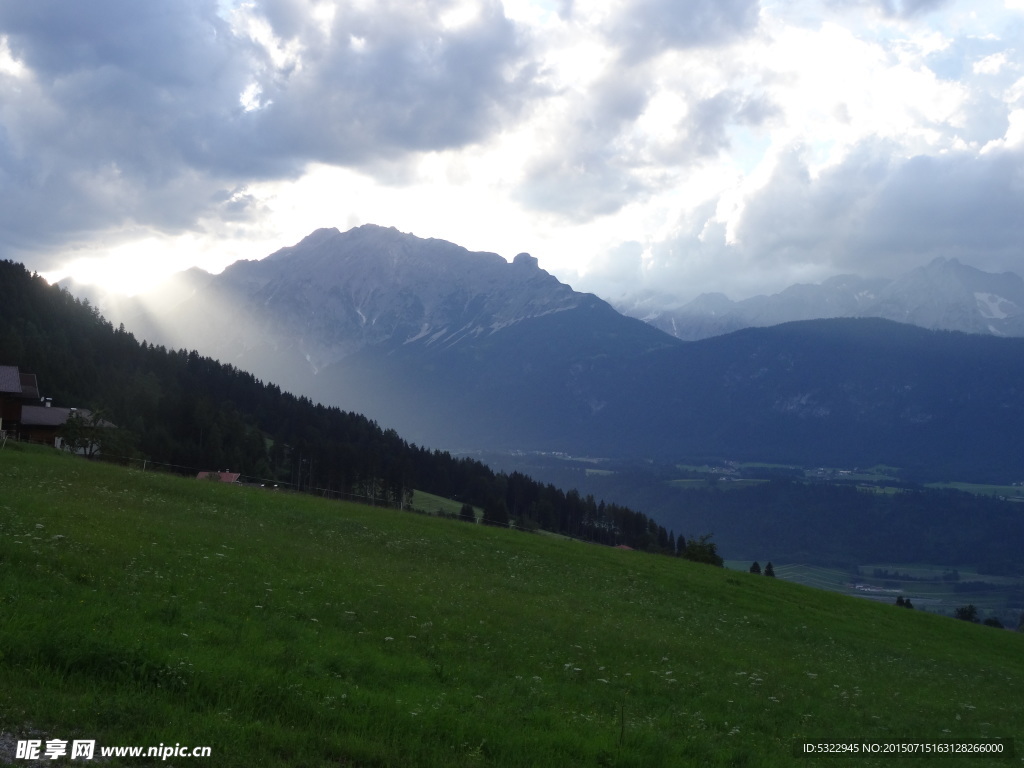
{"x":191,"y":412}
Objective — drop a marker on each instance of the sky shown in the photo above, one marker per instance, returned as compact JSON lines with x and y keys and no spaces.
{"x":668,"y":146}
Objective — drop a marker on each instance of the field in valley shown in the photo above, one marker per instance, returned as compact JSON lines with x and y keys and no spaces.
{"x":993,"y":596}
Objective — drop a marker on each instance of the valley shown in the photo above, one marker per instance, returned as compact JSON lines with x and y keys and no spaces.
{"x":773,"y":512}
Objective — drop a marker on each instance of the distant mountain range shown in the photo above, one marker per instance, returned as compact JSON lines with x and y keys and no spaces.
{"x":467,"y":351}
{"x":943,"y":295}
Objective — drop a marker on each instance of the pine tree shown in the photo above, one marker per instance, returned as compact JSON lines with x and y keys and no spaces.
{"x":967,"y":613}
{"x":756,"y":568}
{"x":769,"y":570}
{"x":703,"y":550}
{"x":496,"y":514}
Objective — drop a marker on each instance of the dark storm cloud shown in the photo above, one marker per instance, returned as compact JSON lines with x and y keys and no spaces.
{"x":130,"y":112}
{"x":115,"y":97}
{"x":646,"y":28}
{"x":396,"y":81}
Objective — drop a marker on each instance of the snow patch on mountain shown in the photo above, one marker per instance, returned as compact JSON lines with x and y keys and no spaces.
{"x":991,"y":306}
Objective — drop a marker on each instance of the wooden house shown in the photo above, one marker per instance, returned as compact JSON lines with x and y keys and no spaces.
{"x":17,"y":391}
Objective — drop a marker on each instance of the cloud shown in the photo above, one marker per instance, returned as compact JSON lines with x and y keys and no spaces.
{"x":125,"y":114}
{"x":586,"y":169}
{"x":392,"y":78}
{"x":873,"y":215}
{"x":877,"y":215}
{"x":646,"y":28}
{"x":106,"y":123}
{"x":624,"y":139}
{"x":903,"y":9}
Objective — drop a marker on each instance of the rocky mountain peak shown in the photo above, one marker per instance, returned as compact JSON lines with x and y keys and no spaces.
{"x":334,"y":293}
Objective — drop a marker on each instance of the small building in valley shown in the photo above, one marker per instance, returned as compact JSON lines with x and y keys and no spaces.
{"x":223,"y":477}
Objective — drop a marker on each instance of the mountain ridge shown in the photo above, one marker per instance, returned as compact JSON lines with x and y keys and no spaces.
{"x":469,"y":352}
{"x":338,"y":293}
{"x":941,"y":295}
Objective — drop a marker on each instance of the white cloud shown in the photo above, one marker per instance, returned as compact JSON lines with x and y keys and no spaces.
{"x":990,"y":65}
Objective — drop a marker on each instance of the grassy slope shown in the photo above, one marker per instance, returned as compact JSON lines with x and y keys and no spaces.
{"x":431,"y":504}
{"x":282,"y":630}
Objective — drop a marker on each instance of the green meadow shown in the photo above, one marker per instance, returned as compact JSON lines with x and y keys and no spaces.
{"x":284,"y":630}
{"x":438,"y":505}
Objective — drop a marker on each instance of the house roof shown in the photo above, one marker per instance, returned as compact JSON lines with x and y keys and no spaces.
{"x":10,"y":380}
{"x":40,"y":416}
{"x":14,"y":382}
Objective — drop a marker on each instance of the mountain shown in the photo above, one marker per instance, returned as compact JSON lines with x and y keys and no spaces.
{"x":336,"y":294}
{"x":420,"y":334}
{"x":469,"y":352}
{"x":943,"y":295}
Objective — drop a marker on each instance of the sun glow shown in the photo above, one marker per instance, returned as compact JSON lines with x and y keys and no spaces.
{"x":141,"y":265}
